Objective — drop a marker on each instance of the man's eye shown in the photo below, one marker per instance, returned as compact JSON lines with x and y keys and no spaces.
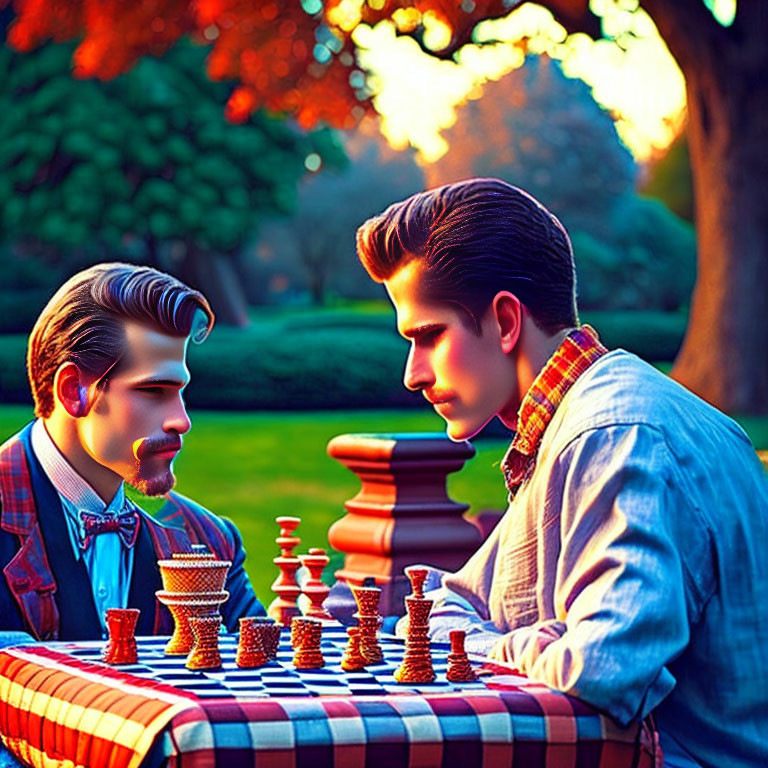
{"x":430,"y":337}
{"x":151,"y":390}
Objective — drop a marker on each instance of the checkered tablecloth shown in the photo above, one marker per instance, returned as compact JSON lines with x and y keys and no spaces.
{"x":59,"y":710}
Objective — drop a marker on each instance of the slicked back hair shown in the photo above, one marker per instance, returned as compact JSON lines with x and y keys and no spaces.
{"x":84,"y":322}
{"x":476,"y":238}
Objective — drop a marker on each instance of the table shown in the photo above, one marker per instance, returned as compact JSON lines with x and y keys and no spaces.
{"x":59,"y":706}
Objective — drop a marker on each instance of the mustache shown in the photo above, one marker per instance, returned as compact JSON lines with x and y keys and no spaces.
{"x":156,"y":444}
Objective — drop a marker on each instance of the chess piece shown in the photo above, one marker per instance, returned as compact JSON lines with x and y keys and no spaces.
{"x":270,"y":632}
{"x":250,"y":644}
{"x":314,"y":588}
{"x":417,"y":575}
{"x":284,"y":607}
{"x":352,"y":659}
{"x":308,"y":635}
{"x":205,"y":652}
{"x":369,"y":621}
{"x":183,"y":606}
{"x":459,"y":669}
{"x":121,"y":645}
{"x":417,"y":662}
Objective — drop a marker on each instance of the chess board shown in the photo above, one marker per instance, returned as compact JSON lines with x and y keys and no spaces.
{"x":280,"y":677}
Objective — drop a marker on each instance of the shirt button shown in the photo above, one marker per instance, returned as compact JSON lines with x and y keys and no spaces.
{"x":102,"y":591}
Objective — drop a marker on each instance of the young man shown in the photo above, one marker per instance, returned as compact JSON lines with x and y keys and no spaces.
{"x":107,"y":368}
{"x":630,"y":569}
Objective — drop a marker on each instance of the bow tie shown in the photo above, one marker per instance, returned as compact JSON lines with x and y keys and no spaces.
{"x":125,"y":524}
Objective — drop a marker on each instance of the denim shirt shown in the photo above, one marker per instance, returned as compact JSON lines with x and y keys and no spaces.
{"x":631,"y":569}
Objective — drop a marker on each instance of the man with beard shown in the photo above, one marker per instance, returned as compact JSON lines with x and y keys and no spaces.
{"x":107,"y":369}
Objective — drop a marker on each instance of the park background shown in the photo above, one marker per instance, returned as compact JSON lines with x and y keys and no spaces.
{"x":157,"y":154}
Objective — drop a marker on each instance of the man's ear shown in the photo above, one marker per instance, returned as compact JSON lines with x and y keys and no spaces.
{"x":509,"y":315}
{"x":70,"y":390}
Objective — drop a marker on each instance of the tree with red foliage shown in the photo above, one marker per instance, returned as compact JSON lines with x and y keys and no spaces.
{"x":298,"y":57}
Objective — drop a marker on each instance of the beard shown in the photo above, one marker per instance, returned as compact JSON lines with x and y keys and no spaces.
{"x":152,"y":475}
{"x":151,"y":483}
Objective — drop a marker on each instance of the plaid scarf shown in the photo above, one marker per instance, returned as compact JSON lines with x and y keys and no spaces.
{"x":578,"y":351}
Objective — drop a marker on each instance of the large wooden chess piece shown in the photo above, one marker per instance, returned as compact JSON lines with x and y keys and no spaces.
{"x":284,"y":607}
{"x":402,"y":513}
{"x":121,"y":645}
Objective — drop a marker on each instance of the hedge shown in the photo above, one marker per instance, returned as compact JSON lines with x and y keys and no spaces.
{"x":338,"y":360}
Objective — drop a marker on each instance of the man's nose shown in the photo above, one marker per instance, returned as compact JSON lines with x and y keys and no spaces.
{"x":178,"y":420}
{"x":418,"y":372}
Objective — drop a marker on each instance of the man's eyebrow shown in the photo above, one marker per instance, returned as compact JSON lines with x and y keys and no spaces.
{"x":419,"y":330}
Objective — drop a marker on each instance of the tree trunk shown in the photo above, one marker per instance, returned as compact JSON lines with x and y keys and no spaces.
{"x":724,"y":357}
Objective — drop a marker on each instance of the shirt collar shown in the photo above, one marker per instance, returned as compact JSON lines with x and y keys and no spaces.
{"x":70,"y":485}
{"x":580,"y":348}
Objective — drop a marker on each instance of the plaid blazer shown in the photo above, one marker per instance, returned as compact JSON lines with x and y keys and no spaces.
{"x":47,"y":592}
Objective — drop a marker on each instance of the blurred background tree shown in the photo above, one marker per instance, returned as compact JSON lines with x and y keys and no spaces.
{"x":316,"y":245}
{"x":143,"y":167}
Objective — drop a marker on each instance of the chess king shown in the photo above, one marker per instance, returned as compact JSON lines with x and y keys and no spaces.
{"x":630,"y":569}
{"x":107,"y":369}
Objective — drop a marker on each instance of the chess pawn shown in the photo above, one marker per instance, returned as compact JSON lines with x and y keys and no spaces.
{"x":459,"y":669}
{"x":250,"y":644}
{"x":205,"y":652}
{"x":352,"y":659}
{"x":121,"y":644}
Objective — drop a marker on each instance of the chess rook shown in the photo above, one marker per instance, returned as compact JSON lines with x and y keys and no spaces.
{"x":205,"y":652}
{"x":459,"y":669}
{"x":284,"y":607}
{"x":308,"y":636}
{"x":251,"y":650}
{"x":369,"y":622}
{"x":121,"y":645}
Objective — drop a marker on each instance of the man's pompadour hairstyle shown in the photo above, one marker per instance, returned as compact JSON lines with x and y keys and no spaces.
{"x":83,"y":322}
{"x":476,"y":238}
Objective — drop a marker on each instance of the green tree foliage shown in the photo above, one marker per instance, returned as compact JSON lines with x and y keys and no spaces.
{"x":144,"y":166}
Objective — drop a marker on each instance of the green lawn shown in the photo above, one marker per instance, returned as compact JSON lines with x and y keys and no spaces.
{"x":252,"y":467}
